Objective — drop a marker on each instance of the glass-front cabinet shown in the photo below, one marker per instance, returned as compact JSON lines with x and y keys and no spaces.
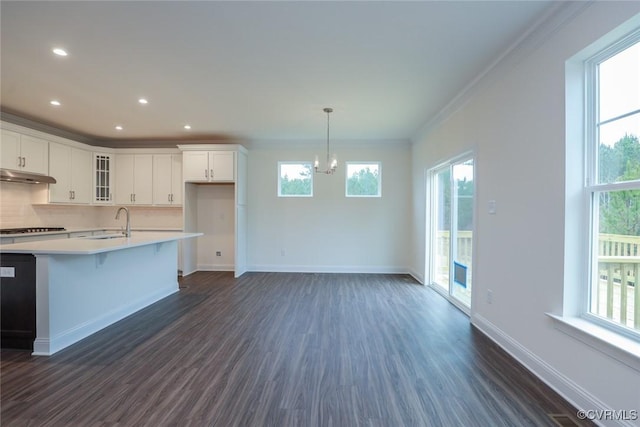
{"x":103,"y":178}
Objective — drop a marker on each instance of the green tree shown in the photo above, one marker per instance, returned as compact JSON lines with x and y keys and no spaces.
{"x":464,"y":194}
{"x":620,"y":210}
{"x":299,"y":186}
{"x":465,"y":204}
{"x":363,"y":183}
{"x":613,"y":160}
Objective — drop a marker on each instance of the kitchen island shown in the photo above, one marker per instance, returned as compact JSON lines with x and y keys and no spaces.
{"x":85,"y":284}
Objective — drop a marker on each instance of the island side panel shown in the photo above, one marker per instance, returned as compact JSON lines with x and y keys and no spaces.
{"x":87,"y":293}
{"x":41,"y":343}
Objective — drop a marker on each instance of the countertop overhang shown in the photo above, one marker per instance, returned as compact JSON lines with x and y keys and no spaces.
{"x":93,"y":244}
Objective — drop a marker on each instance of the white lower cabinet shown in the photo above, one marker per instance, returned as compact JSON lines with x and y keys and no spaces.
{"x":134,"y":179}
{"x":71,"y":167}
{"x":167,"y":179}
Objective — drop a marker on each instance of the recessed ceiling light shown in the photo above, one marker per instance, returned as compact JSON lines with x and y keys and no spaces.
{"x":59,"y":51}
{"x":119,"y":127}
{"x":187,"y":127}
{"x":55,"y":103}
{"x":143,"y":101}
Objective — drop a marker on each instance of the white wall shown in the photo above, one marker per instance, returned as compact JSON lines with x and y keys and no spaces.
{"x":329,"y":232}
{"x":516,"y":125}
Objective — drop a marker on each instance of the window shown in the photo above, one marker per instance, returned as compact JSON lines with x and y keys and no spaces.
{"x":363,"y":179}
{"x":613,"y":185}
{"x":295,"y":179}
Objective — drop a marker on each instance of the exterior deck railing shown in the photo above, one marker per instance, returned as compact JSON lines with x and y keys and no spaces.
{"x":618,"y":293}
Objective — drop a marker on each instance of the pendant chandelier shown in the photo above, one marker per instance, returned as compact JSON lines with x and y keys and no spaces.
{"x":332,"y":162}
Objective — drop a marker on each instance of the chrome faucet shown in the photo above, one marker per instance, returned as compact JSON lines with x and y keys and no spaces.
{"x":127,"y":232}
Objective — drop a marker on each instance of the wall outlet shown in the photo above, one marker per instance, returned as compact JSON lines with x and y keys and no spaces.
{"x":489,"y":296}
{"x":218,"y":253}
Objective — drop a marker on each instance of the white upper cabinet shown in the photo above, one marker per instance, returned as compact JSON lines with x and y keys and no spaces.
{"x":167,"y":179}
{"x":222,"y":166}
{"x":195,"y":166}
{"x":103,"y":178}
{"x":24,"y":153}
{"x":71,"y":167}
{"x":134,"y":179}
{"x":208,"y":166}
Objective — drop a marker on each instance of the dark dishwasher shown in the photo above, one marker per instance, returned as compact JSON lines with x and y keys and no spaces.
{"x":18,"y":301}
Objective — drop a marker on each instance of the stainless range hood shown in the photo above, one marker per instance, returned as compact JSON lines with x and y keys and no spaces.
{"x":25,"y":177}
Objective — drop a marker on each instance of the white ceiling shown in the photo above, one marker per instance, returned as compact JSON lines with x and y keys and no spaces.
{"x":249,"y":70}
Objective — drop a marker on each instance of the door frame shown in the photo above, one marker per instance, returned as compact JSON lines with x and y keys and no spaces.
{"x":430,"y":229}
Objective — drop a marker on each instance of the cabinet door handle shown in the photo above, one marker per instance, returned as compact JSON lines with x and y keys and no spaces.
{"x":24,"y":162}
{"x":70,"y":196}
{"x":19,"y":161}
{"x":211,"y":174}
{"x":206,"y":173}
{"x":168,"y":197}
{"x":131,"y":197}
{"x":134,"y":197}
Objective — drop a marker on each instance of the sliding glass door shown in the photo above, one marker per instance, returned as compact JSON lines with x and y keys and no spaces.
{"x":451,"y":229}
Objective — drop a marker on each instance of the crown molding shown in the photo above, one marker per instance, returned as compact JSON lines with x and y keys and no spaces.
{"x":10,"y":117}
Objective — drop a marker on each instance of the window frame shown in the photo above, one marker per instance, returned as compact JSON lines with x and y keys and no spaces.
{"x":279,"y":183}
{"x":346,"y":178}
{"x":593,"y":188}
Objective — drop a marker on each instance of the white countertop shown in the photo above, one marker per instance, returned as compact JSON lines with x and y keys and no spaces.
{"x":82,"y":230}
{"x":93,"y":244}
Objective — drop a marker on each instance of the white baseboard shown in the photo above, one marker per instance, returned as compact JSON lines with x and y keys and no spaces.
{"x":186,"y":273}
{"x":569,"y":390}
{"x":419,"y":277}
{"x":47,"y":347}
{"x":215,"y":267}
{"x":363,"y":269}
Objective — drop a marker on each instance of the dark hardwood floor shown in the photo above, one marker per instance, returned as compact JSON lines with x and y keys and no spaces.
{"x":274,"y":349}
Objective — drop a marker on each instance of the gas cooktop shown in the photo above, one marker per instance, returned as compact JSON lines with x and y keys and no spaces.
{"x":25,"y":230}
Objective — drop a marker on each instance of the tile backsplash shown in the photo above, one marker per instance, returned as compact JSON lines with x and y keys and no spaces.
{"x":24,"y":205}
{"x":17,"y":205}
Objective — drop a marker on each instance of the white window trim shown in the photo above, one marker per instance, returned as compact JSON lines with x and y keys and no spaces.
{"x":293,"y":162}
{"x":346,"y":179}
{"x":574,"y":318}
{"x":605,"y":340}
{"x":592,"y":187}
